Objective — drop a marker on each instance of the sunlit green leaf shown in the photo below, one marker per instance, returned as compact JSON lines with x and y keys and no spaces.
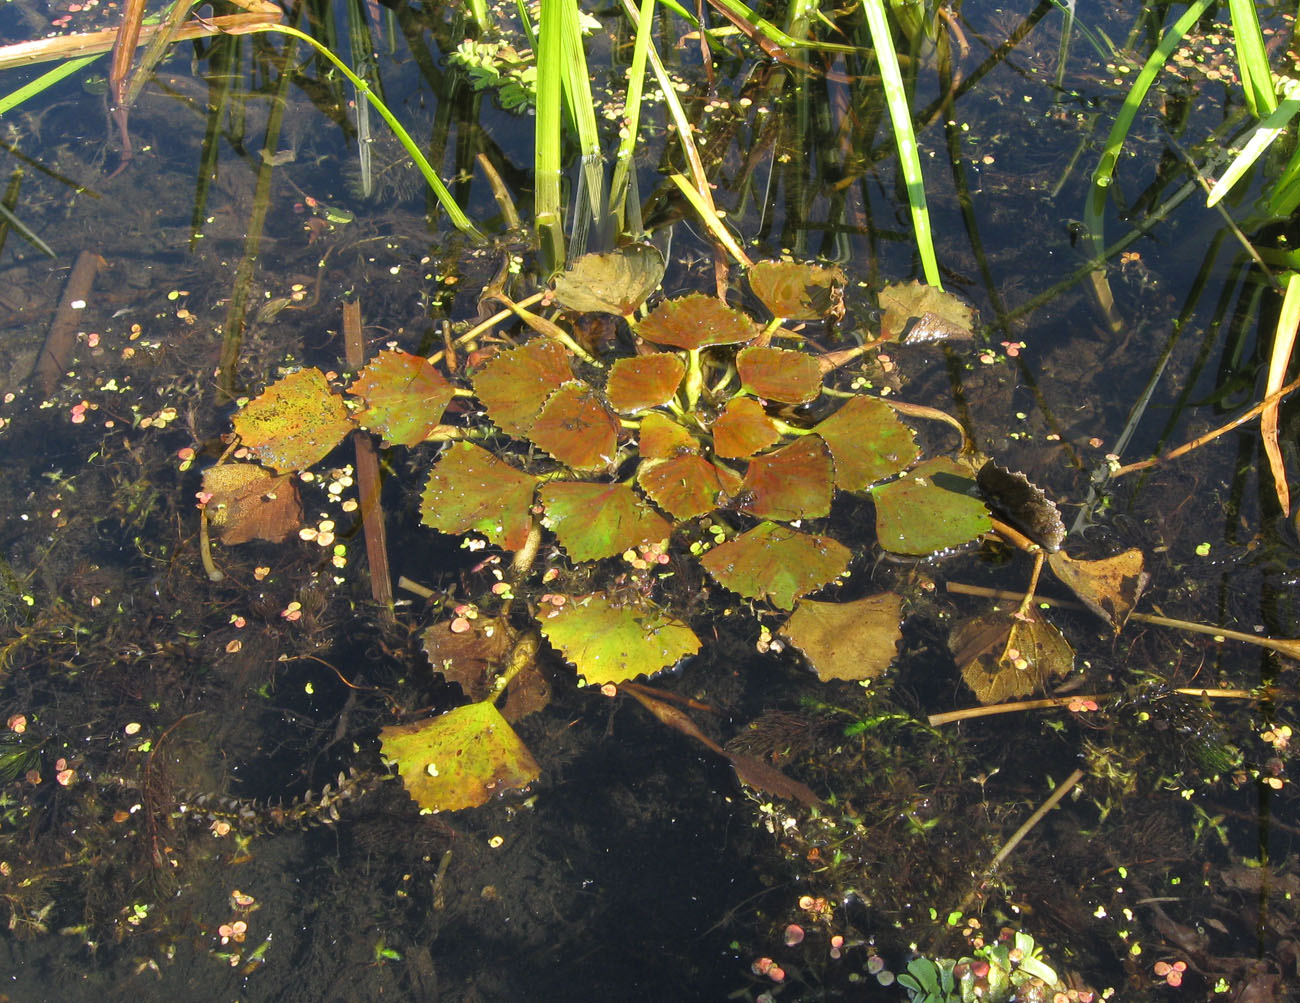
{"x":459,"y":759}
{"x":471,"y":491}
{"x":294,"y":423}
{"x":743,"y":429}
{"x":592,"y":521}
{"x":793,"y":482}
{"x":644,"y":381}
{"x":929,"y":509}
{"x":867,"y":442}
{"x":404,"y":395}
{"x":695,"y":321}
{"x":515,"y":385}
{"x":576,"y":428}
{"x":779,"y":374}
{"x":612,"y":644}
{"x":776,"y":563}
{"x":853,"y":640}
{"x":797,"y":291}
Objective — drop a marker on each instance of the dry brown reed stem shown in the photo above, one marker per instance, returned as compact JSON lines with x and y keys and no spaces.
{"x":1009,"y":846}
{"x":61,"y":339}
{"x":1282,"y":645}
{"x":1015,"y":706}
{"x":87,"y":43}
{"x":1196,"y":443}
{"x":372,"y":513}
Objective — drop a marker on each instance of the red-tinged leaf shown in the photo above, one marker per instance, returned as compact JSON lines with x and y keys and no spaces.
{"x":404,"y":395}
{"x":515,"y":385}
{"x":661,"y":438}
{"x":612,"y":644}
{"x":794,"y":482}
{"x":867,"y":442}
{"x":614,"y":282}
{"x":459,"y":759}
{"x":854,"y":640}
{"x":294,"y":423}
{"x":743,"y":429}
{"x":695,"y":321}
{"x":471,"y":491}
{"x":576,"y":428}
{"x":592,"y":521}
{"x":779,"y":374}
{"x":684,"y":486}
{"x":644,"y":381}
{"x":776,"y":563}
{"x":797,"y":291}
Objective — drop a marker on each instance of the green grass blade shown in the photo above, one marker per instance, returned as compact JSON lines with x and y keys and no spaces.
{"x":24,"y":231}
{"x":589,"y":201}
{"x":1265,"y":134}
{"x":45,"y":81}
{"x":1104,"y":173}
{"x":548,"y":217}
{"x":445,"y":198}
{"x":618,"y":189}
{"x":1252,"y":58}
{"x":904,"y":137}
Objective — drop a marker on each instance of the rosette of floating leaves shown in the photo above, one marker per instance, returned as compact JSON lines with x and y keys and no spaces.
{"x":688,"y":427}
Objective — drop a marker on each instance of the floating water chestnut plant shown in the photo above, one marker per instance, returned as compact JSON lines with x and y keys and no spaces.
{"x":715,"y":445}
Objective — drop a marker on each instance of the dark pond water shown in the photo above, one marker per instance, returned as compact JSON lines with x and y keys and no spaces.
{"x":158,"y":834}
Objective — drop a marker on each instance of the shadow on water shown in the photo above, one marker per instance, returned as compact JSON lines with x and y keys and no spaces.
{"x":193,"y":800}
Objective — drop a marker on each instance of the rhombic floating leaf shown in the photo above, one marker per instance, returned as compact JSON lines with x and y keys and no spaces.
{"x":459,"y":759}
{"x":929,"y":509}
{"x":470,"y":491}
{"x":592,"y":521}
{"x":776,"y":563}
{"x":294,"y":423}
{"x":853,"y":640}
{"x":615,"y":282}
{"x":404,"y":395}
{"x":613,"y":644}
{"x":797,"y":291}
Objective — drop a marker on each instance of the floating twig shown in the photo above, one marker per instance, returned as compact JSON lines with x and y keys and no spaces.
{"x":1074,"y":700}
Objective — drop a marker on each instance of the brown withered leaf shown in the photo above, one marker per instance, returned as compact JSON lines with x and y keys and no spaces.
{"x":1014,"y":497}
{"x":752,"y":772}
{"x":854,"y":640}
{"x":1002,"y":656}
{"x":528,"y":692}
{"x":472,"y":657}
{"x":250,"y":503}
{"x":1110,"y":587}
{"x":759,"y":775}
{"x":917,"y":313}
